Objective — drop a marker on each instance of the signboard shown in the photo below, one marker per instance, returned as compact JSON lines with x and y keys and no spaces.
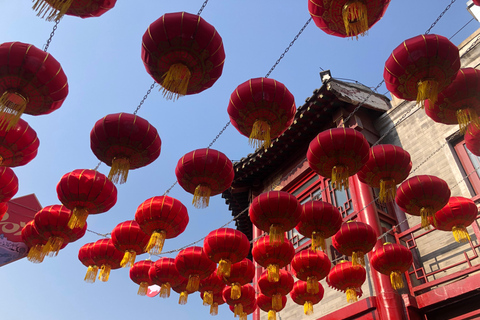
{"x":20,"y":212}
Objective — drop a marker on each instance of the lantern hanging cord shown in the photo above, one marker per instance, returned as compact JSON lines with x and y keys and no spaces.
{"x":466,"y":24}
{"x":55,"y":26}
{"x":99,"y":234}
{"x":440,"y":17}
{"x":202,"y":7}
{"x":144,"y":97}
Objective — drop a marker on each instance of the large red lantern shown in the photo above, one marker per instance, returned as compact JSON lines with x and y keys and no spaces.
{"x":275,"y":212}
{"x":392,"y":260}
{"x":387,"y":166}
{"x":129,"y":238}
{"x":31,"y":82}
{"x":276,"y":290}
{"x":456,"y":216}
{"x":338,"y":154}
{"x":85,"y":257}
{"x":261,"y":109}
{"x":165,"y":274}
{"x":183,"y":53}
{"x":319,"y":220}
{"x":246,"y":310}
{"x":106,"y":256}
{"x":183,"y":290}
{"x":346,"y":18}
{"x":300,"y":295}
{"x":422,"y":196}
{"x":204,"y":173}
{"x":18,"y":145}
{"x":226,"y":246}
{"x":273,"y":258}
{"x":311,"y":266}
{"x":54,"y":10}
{"x":139,"y":275}
{"x":124,"y":141}
{"x":217,"y":301}
{"x":355,"y":239}
{"x":241,"y":273}
{"x":265,"y":303}
{"x":85,"y":192}
{"x":162,"y":218}
{"x":247,"y":298}
{"x":34,"y":241}
{"x":476,"y":2}
{"x":347,"y":278}
{"x":472,"y":138}
{"x":3,"y":209}
{"x":8,"y":184}
{"x":193,"y":264}
{"x":421,"y":67}
{"x":209,"y":286}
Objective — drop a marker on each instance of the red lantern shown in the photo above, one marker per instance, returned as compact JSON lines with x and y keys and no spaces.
{"x":276,"y":290}
{"x":265,"y":303}
{"x":392,"y":260}
{"x":3,"y":209}
{"x":355,"y":239}
{"x":34,"y":241}
{"x":85,"y":192}
{"x":139,"y":275}
{"x":226,"y":246}
{"x":183,"y":291}
{"x":271,"y":257}
{"x":319,"y":220}
{"x":193,"y":264}
{"x":246,"y":310}
{"x":129,"y":238}
{"x":18,"y":145}
{"x":209,"y":286}
{"x":162,"y":218}
{"x":261,"y":109}
{"x":456,"y":216}
{"x":8,"y":184}
{"x":275,"y":212}
{"x":421,"y":67}
{"x":387,"y":166}
{"x":217,"y":301}
{"x":346,"y":18}
{"x":476,"y":2}
{"x":31,"y":82}
{"x":238,"y":305}
{"x":85,"y":257}
{"x":311,"y":266}
{"x":241,"y":274}
{"x":165,"y":274}
{"x":106,"y":256}
{"x":204,"y":173}
{"x":301,"y":296}
{"x":124,"y":141}
{"x":347,"y":278}
{"x":338,"y":154}
{"x":423,"y":196}
{"x":54,"y":10}
{"x":52,"y":223}
{"x":459,"y":102}
{"x":183,"y":53}
{"x":472,"y":138}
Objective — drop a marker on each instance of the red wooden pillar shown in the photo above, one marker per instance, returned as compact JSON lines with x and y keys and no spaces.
{"x":389,"y":303}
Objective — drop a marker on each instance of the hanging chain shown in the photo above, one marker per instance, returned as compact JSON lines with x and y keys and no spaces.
{"x":363,"y":102}
{"x":98,"y":165}
{"x":203,"y":7}
{"x":439,"y":17}
{"x":170,"y":189}
{"x":99,"y":234}
{"x":144,"y":98}
{"x":45,"y":47}
{"x":219,"y":134}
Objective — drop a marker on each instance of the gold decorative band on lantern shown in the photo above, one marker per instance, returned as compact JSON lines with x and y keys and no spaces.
{"x":355,"y":18}
{"x":156,"y":242}
{"x":396,"y":280}
{"x":260,"y":134}
{"x":119,"y":171}
{"x":388,"y":190}
{"x":143,"y":289}
{"x":460,"y":234}
{"x":465,"y":116}
{"x":427,"y":89}
{"x":52,"y":10}
{"x":318,"y":241}
{"x":193,"y":282}
{"x":175,"y":81}
{"x":12,"y":106}
{"x":104,"y":273}
{"x":78,"y":218}
{"x":340,"y":177}
{"x":128,"y":259}
{"x":165,"y":290}
{"x":183,"y":299}
{"x":201,"y":196}
{"x":91,"y":274}
{"x":273,"y":273}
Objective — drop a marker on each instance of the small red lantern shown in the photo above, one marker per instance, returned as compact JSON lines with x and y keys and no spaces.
{"x":124,"y":141}
{"x":3,"y":209}
{"x":338,"y":154}
{"x":355,"y":239}
{"x":319,"y":220}
{"x":165,"y":274}
{"x":387,"y":166}
{"x":421,"y":67}
{"x":472,"y":138}
{"x":193,"y":264}
{"x":31,"y":82}
{"x":392,"y":260}
{"x":217,"y":301}
{"x":85,"y":257}
{"x":204,"y":173}
{"x":183,"y":53}
{"x":456,"y":216}
{"x":261,"y":109}
{"x":34,"y":241}
{"x":106,"y":256}
{"x":275,"y":212}
{"x":238,"y":305}
{"x":183,"y":291}
{"x":271,"y":257}
{"x":347,"y":278}
{"x":300,"y":295}
{"x":226,"y":246}
{"x":246,"y":310}
{"x":129,"y":238}
{"x":476,"y":2}
{"x":8,"y":184}
{"x":139,"y":275}
{"x":162,"y":218}
{"x":311,"y":266}
{"x":422,"y":196}
{"x":241,"y":273}
{"x":209,"y":286}
{"x":276,"y":290}
{"x":346,"y":18}
{"x":18,"y":145}
{"x":54,"y":10}
{"x":85,"y":192}
{"x":265,"y":303}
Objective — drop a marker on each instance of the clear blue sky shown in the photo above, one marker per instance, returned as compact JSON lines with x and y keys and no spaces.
{"x":101,"y":58}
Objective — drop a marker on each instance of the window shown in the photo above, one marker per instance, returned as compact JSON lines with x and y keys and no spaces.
{"x":470,"y":164}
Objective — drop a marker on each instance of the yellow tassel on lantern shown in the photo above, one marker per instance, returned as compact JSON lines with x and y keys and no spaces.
{"x":143,"y":289}
{"x":53,"y":10}
{"x":207,"y":298}
{"x":36,"y":254}
{"x":352,"y":295}
{"x":277,"y":234}
{"x":104,"y":273}
{"x":156,"y":242}
{"x":460,"y":234}
{"x":425,"y":214}
{"x":318,"y":241}
{"x":358,"y":258}
{"x":183,"y":298}
{"x":224,"y":267}
{"x":201,"y":196}
{"x":175,"y":81}
{"x":243,"y":316}
{"x":119,"y":171}
{"x":128,"y":259}
{"x":165,"y":290}
{"x":277,"y":301}
{"x":52,"y":247}
{"x":214,"y":309}
{"x":91,"y":275}
{"x":78,"y":218}
{"x":260,"y":135}
{"x":312,"y":285}
{"x":355,"y":18}
{"x":272,"y":315}
{"x":396,"y":280}
{"x":388,"y":190}
{"x":308,"y":308}
{"x":236,"y":291}
{"x":465,"y":117}
{"x":237,"y":310}
{"x":273,"y":273}
{"x":427,"y":89}
{"x":340,"y":177}
{"x":193,"y":282}
{"x":12,"y":106}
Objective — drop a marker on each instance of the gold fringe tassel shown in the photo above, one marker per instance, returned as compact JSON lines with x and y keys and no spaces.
{"x":272,"y":315}
{"x":308,"y":308}
{"x":276,"y":234}
{"x":156,"y":242}
{"x":143,"y":289}
{"x":243,"y":316}
{"x":260,"y":135}
{"x":91,"y":275}
{"x":460,"y":234}
{"x":165,"y":290}
{"x":193,"y":282}
{"x":183,"y":298}
{"x":465,"y":117}
{"x":237,"y":310}
{"x":201,"y":196}
{"x":104,"y":273}
{"x":340,"y":177}
{"x":273,"y":273}
{"x":119,"y":171}
{"x":312,"y":285}
{"x":425,"y":214}
{"x":12,"y":106}
{"x":427,"y":89}
{"x":224,"y":267}
{"x":277,"y":302}
{"x":352,"y":295}
{"x":128,"y":259}
{"x":78,"y":218}
{"x":318,"y":241}
{"x":207,"y":298}
{"x":214,"y":309}
{"x":236,"y":291}
{"x":358,"y":258}
{"x":388,"y":190}
{"x":36,"y":254}
{"x":355,"y":18}
{"x":175,"y":81}
{"x":396,"y":280}
{"x":52,"y":247}
{"x":52,"y":10}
